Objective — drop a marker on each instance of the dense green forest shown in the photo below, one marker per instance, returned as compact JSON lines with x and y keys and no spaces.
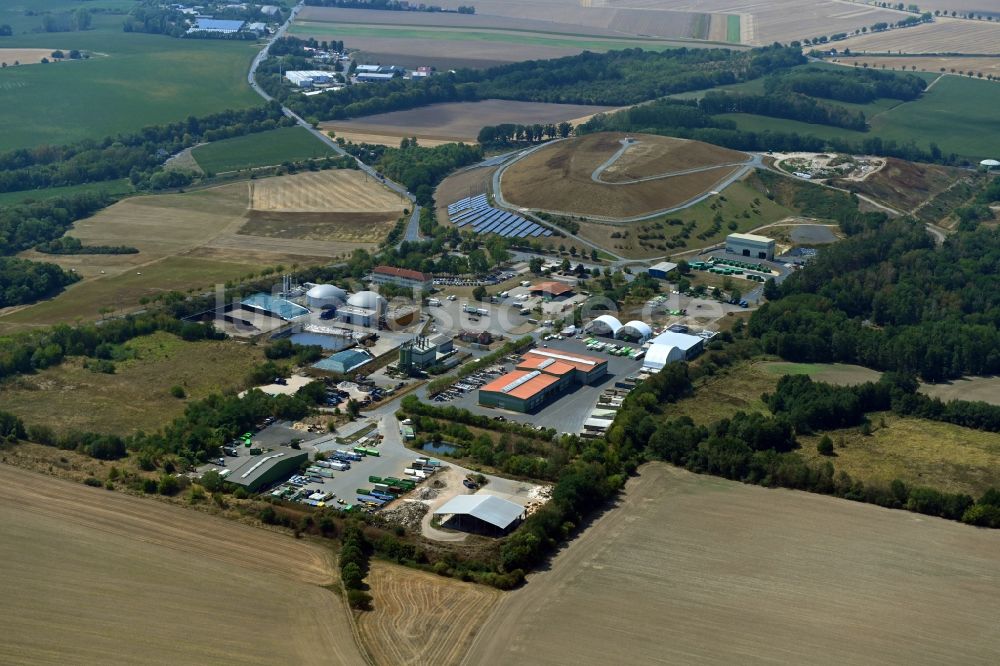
{"x":23,"y":226}
{"x":23,"y":281}
{"x":859,"y":85}
{"x":780,"y":104}
{"x":420,"y":169}
{"x":887,"y":298}
{"x":617,"y":77}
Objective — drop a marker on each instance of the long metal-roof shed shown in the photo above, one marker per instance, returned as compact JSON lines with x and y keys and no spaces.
{"x":499,"y":513}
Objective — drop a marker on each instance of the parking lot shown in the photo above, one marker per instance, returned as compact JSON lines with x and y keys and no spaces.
{"x":502,"y":319}
{"x":566,"y":412}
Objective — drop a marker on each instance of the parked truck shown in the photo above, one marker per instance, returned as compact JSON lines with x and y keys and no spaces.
{"x":340,"y":466}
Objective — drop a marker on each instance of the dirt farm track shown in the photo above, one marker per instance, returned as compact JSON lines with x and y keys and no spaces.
{"x":98,"y":577}
{"x":699,"y":570}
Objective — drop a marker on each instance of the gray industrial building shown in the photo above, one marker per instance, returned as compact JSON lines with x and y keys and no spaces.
{"x":662,"y":270}
{"x":259,"y":472}
{"x":750,"y":245}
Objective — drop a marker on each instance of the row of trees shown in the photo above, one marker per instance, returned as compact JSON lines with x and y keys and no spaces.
{"x":507,"y":134}
{"x":137,"y":155}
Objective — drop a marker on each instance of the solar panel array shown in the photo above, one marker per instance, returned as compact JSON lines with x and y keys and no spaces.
{"x":476,"y":214}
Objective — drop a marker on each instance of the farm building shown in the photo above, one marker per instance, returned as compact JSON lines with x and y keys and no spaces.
{"x":552,"y":289}
{"x":402,"y":277}
{"x":325,"y":296}
{"x":220,"y":26}
{"x":750,"y":245}
{"x":482,"y":514}
{"x":259,"y":472}
{"x":344,"y":361}
{"x":307,"y":78}
{"x":661,"y":270}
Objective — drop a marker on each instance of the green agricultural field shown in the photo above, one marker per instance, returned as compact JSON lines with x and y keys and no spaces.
{"x":733,"y":28}
{"x":513,"y":37}
{"x":131,"y":81}
{"x":257,"y":150}
{"x":116,"y":188}
{"x":15,"y":12}
{"x":958,"y":114}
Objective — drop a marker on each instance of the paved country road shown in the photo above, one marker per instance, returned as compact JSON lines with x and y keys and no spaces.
{"x":413,"y":227}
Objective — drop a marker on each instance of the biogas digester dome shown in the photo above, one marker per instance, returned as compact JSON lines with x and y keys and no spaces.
{"x":326,"y":295}
{"x":368,"y":300}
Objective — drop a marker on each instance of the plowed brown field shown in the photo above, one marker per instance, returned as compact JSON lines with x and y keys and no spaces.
{"x":699,"y":570}
{"x":421,"y":618}
{"x":94,"y":577}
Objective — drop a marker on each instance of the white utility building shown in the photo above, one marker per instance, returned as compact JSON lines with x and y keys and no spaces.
{"x":750,"y":245}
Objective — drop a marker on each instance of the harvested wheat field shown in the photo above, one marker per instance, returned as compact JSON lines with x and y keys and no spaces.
{"x":96,"y":577}
{"x":696,"y":570}
{"x":336,"y":191}
{"x":421,"y":618}
{"x":941,"y":36}
{"x":461,"y":121}
{"x":571,"y":177}
{"x":344,"y":206}
{"x":197,"y":239}
{"x":387,"y":137}
{"x":24,"y":56}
